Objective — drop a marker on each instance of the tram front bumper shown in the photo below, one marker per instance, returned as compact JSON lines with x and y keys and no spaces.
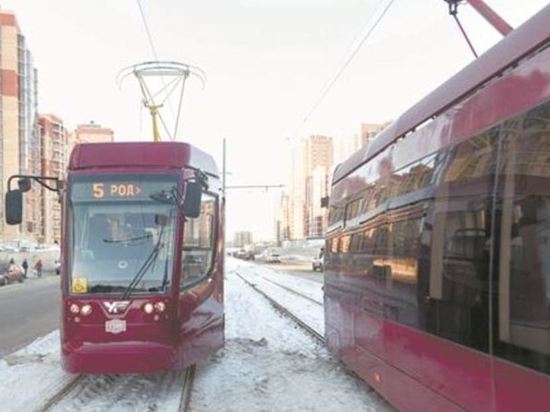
{"x":118,"y":357}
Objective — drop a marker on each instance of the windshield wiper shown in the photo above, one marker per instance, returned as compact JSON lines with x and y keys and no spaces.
{"x":144,"y":268}
{"x":128,"y":240}
{"x":151,"y":259}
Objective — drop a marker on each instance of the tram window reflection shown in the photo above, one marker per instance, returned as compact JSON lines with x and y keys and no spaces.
{"x":198,"y":243}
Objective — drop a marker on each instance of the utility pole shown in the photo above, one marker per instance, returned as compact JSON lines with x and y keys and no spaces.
{"x":224,"y":170}
{"x":224,"y":177}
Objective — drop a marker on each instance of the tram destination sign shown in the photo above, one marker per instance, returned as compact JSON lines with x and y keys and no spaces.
{"x":112,"y":188}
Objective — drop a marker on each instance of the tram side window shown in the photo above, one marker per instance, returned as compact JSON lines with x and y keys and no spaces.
{"x":199,"y":243}
{"x":461,"y":312}
{"x":522,"y":324}
{"x":335,"y":214}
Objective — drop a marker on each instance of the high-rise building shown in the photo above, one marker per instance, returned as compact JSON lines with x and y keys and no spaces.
{"x":311,"y":166}
{"x":93,"y":133}
{"x":19,"y":136}
{"x":346,"y":146}
{"x":88,"y":133}
{"x":370,"y":130}
{"x":282,"y":219}
{"x":243,"y":239}
{"x":54,"y":147}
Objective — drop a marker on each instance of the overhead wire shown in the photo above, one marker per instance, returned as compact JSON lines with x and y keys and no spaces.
{"x":340,"y":70}
{"x":147,"y":30}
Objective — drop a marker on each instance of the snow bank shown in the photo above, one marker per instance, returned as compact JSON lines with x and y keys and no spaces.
{"x":31,"y":375}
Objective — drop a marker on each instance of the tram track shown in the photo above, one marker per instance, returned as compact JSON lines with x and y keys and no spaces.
{"x":283,"y":310}
{"x":84,"y":388}
{"x":187,"y":388}
{"x":59,"y":395}
{"x":293,"y":291}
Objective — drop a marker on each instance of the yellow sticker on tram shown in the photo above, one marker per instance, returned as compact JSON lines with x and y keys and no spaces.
{"x":79,"y":285}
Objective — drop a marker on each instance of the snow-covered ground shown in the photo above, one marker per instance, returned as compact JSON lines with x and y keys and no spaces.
{"x":270,"y":281}
{"x":268,"y":364}
{"x":31,"y":375}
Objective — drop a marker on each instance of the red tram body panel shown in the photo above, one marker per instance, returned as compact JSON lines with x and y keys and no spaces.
{"x":437,"y":270}
{"x":142,"y":283}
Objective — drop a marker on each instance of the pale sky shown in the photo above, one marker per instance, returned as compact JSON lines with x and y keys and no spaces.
{"x":266,"y":62}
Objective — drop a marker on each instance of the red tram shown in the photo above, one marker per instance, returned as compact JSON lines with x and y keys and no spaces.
{"x":142,"y":257}
{"x":437,"y":277}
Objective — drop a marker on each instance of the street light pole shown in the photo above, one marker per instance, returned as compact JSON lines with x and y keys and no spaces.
{"x":224,"y":172}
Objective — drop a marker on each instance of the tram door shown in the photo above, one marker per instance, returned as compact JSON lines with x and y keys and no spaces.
{"x":201,"y":286}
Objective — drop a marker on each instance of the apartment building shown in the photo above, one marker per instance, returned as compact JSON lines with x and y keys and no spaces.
{"x":19,"y":135}
{"x":54,"y":146}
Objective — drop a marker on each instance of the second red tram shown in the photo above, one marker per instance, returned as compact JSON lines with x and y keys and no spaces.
{"x":437,"y":268}
{"x":142,"y":258}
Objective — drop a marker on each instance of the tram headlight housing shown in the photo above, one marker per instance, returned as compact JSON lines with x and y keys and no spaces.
{"x":74,"y":309}
{"x":86,"y":310}
{"x":160,"y":306}
{"x":148,"y":308}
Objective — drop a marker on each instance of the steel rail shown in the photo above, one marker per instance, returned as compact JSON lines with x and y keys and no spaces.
{"x":292,"y":291}
{"x":58,"y":396}
{"x":280,"y":308}
{"x":187,"y":381}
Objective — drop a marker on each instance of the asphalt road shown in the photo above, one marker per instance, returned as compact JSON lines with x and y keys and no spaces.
{"x":27,"y":311}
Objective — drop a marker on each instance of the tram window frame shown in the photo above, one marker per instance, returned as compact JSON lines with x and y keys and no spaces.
{"x":213,"y":249}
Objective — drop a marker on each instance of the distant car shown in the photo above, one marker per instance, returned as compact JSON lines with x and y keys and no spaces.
{"x":273,"y":258}
{"x":318,"y":263}
{"x":244,"y":254}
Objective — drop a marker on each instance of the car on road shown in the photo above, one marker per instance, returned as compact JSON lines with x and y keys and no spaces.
{"x":318,"y":262}
{"x":10,"y":272}
{"x":273,"y":257}
{"x":244,"y":254}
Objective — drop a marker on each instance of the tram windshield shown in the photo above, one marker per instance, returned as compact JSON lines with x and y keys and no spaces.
{"x":121,"y":234}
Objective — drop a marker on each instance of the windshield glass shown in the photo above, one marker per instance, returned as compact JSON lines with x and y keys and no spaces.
{"x":121,"y":233}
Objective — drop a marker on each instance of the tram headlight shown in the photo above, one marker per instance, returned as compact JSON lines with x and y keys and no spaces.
{"x":160,"y":306}
{"x":86,"y":310}
{"x":74,"y":309}
{"x":148,"y":308}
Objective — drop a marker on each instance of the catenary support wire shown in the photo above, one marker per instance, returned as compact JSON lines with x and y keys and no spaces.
{"x":340,"y":70}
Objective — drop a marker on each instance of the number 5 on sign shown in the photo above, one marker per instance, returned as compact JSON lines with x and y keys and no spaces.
{"x":98,"y":191}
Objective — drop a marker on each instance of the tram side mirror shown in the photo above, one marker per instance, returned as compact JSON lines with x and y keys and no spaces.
{"x":24,"y":184}
{"x":192,"y":201}
{"x":14,"y":207}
